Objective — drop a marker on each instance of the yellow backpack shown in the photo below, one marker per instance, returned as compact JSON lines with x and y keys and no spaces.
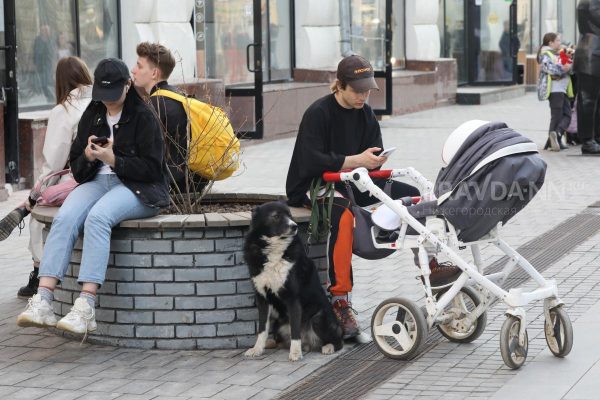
{"x":213,"y":148}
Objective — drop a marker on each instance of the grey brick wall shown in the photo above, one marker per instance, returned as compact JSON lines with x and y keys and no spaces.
{"x":174,"y":288}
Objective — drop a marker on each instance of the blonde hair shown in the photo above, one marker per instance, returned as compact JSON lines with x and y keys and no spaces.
{"x":334,"y":85}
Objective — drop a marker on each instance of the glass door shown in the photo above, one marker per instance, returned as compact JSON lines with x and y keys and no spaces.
{"x":8,"y":90}
{"x":234,"y":30}
{"x":493,"y":42}
{"x":371,"y":37}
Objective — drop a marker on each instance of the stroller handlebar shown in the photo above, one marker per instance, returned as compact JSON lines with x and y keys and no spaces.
{"x":339,"y":176}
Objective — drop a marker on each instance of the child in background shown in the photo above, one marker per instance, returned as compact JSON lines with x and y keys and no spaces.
{"x":554,"y":85}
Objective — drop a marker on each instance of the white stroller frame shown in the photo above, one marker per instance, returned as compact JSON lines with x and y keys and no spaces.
{"x":408,"y":336}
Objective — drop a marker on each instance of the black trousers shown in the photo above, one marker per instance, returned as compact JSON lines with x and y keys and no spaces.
{"x":588,"y":97}
{"x":560,"y":112}
{"x":341,"y":234}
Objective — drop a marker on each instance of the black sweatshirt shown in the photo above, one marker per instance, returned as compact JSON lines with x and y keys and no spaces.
{"x":328,"y":133}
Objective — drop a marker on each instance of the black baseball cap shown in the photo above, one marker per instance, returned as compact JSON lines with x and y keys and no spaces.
{"x":110,"y":77}
{"x":357,"y":72}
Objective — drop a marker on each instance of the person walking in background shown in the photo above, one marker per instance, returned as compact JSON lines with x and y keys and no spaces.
{"x":73,"y":95}
{"x":117,"y":157}
{"x":44,"y":56}
{"x":586,"y":65}
{"x":554,"y":85}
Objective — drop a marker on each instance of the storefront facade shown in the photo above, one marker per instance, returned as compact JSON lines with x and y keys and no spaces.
{"x":486,"y":36}
{"x":270,"y":58}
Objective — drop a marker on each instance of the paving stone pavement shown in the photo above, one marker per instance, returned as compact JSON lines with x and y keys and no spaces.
{"x":36,"y":363}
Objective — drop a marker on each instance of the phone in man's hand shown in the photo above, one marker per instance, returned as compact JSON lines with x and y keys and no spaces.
{"x":387,"y":152}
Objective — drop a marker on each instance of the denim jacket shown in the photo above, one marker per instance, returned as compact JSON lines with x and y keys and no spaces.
{"x":138,"y":147}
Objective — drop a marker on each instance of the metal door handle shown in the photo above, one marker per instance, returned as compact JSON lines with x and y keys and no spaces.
{"x":256,"y":62}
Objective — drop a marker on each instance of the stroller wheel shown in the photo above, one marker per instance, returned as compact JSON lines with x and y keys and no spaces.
{"x":398,"y":328}
{"x":461,"y":306}
{"x":559,"y":332}
{"x":513,"y":354}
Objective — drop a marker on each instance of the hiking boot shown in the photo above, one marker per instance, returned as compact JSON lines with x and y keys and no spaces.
{"x":442,"y":274}
{"x":345,"y":315}
{"x":11,"y":221}
{"x":38,"y":313}
{"x":553,"y":138}
{"x":32,"y":286}
{"x":80,"y":320}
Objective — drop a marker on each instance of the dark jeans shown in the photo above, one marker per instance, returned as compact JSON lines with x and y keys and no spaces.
{"x":560,"y":112}
{"x":588,"y":96}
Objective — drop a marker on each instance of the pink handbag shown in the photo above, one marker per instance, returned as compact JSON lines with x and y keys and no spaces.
{"x":53,"y":195}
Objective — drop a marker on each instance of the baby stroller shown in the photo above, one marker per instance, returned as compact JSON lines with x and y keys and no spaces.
{"x":492,"y":173}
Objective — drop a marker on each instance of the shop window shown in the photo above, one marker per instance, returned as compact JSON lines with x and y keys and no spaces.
{"x":227,"y":29}
{"x":98,"y":30}
{"x":566,"y":13}
{"x":40,"y":24}
{"x":368,"y":31}
{"x":398,"y":59}
{"x":524,"y":24}
{"x":47,"y":31}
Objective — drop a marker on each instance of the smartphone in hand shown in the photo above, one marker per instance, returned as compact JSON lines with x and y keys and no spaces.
{"x":102,"y":140}
{"x":387,"y":152}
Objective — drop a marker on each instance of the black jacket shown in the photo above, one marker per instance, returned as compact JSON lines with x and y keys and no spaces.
{"x":173,"y":120}
{"x":587,"y":55}
{"x":138,"y":146}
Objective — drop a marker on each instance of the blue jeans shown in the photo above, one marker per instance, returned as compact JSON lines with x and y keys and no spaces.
{"x":93,"y":207}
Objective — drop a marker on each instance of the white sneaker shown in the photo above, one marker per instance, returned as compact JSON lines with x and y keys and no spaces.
{"x":80,"y":320}
{"x":38,"y":313}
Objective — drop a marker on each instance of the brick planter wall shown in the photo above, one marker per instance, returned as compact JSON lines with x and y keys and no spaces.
{"x":174,"y":282}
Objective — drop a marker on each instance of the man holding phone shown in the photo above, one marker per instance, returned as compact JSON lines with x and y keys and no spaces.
{"x":340,"y":131}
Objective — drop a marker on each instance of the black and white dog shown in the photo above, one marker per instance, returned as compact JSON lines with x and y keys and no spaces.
{"x":289,"y":292}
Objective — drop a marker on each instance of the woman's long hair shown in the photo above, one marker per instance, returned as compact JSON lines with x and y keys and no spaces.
{"x":71,"y":73}
{"x":548,"y":37}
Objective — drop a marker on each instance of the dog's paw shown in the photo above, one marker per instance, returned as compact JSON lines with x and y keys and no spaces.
{"x":295,"y":350}
{"x":254,"y":352}
{"x":271,"y":344}
{"x":328,"y":349}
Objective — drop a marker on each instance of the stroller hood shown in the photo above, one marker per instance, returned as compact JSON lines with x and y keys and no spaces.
{"x":492,"y":176}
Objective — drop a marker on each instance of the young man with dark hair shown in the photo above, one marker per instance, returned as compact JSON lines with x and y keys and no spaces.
{"x":154,"y":65}
{"x":340,"y":131}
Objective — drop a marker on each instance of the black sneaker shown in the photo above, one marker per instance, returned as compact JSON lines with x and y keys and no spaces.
{"x":11,"y":221}
{"x":32,"y":286}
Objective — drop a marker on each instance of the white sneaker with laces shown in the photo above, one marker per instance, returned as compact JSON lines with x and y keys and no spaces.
{"x":38,"y":313}
{"x":80,"y":320}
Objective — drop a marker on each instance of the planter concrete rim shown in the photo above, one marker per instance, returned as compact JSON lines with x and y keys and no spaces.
{"x":227,"y":219}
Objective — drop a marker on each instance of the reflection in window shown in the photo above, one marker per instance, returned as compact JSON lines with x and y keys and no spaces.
{"x":279,"y":40}
{"x":566,"y":20}
{"x":398,"y":45}
{"x":452,"y":30}
{"x":229,"y":29}
{"x":98,"y":30}
{"x":367,"y":31}
{"x":524,"y":24}
{"x":46,"y":32}
{"x":40,"y":25}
